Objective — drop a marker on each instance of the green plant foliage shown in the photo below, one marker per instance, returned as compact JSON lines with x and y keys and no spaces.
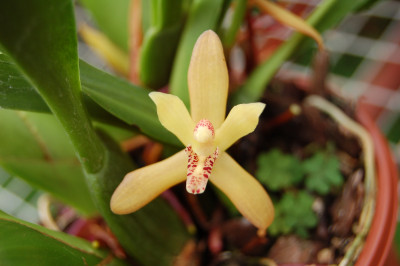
{"x":228,"y":36}
{"x":279,"y":171}
{"x":393,"y":134}
{"x":35,"y":148}
{"x":323,"y":172}
{"x":46,"y":31}
{"x":23,"y":243}
{"x":284,"y":173}
{"x":396,"y":240}
{"x":112,"y":18}
{"x":40,"y":37}
{"x":294,"y":214}
{"x":160,"y":42}
{"x":15,"y":90}
{"x":128,"y":103}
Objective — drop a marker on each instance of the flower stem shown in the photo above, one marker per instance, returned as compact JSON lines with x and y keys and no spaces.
{"x":368,"y":210}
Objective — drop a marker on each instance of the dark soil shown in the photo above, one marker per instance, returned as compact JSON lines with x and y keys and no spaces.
{"x":237,"y":241}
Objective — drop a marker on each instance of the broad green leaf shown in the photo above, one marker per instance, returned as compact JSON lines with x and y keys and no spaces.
{"x":128,"y":102}
{"x":34,"y":147}
{"x":125,"y":101}
{"x":49,"y":59}
{"x":154,"y":235}
{"x":40,"y":36}
{"x":117,"y":133}
{"x":160,"y":42}
{"x":203,"y":15}
{"x":112,"y":19}
{"x":325,"y":16}
{"x":15,"y":90}
{"x":18,"y":94}
{"x":23,"y":243}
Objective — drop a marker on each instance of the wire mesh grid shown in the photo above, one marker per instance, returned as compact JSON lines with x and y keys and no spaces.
{"x":365,"y":60}
{"x":18,"y":198}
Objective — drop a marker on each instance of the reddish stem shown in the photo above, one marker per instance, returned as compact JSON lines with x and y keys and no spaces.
{"x":180,"y":210}
{"x":292,"y":111}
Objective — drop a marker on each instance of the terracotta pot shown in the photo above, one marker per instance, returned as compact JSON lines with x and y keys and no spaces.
{"x":380,"y":237}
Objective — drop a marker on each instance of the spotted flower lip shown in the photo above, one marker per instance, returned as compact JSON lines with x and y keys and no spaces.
{"x":206,"y":133}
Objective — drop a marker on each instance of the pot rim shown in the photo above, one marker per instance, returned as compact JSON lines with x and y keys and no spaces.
{"x":380,"y":236}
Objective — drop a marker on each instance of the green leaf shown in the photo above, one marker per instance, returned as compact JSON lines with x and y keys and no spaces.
{"x":154,"y":235}
{"x":160,"y":42}
{"x":339,"y":10}
{"x":18,"y":94}
{"x":278,"y":171}
{"x":46,"y":30}
{"x":228,"y":36}
{"x":34,"y":147}
{"x":203,"y":15}
{"x":40,"y":36}
{"x":23,"y":243}
{"x":294,"y":214}
{"x":393,"y":134}
{"x":112,"y":19}
{"x":396,"y":241}
{"x":323,"y":172}
{"x":15,"y":90}
{"x":128,"y":102}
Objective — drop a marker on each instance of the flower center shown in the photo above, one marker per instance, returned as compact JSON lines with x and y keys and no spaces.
{"x":204,"y":131}
{"x":201,"y":157}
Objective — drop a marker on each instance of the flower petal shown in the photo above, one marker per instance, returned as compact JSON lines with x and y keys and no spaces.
{"x":174,"y":116}
{"x":245,"y":192}
{"x":242,"y":120}
{"x":143,"y":185}
{"x":208,"y":80}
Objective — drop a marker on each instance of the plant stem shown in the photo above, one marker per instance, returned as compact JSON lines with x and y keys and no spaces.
{"x":228,"y":37}
{"x":367,"y":213}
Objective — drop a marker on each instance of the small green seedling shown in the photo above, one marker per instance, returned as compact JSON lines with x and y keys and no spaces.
{"x":294,"y":214}
{"x":322,"y":172}
{"x":279,"y":171}
{"x":296,"y":184}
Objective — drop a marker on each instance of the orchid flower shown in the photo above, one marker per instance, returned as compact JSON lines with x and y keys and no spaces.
{"x":207,"y":134}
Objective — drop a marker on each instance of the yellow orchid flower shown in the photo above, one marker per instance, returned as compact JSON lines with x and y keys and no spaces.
{"x":206,"y":134}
